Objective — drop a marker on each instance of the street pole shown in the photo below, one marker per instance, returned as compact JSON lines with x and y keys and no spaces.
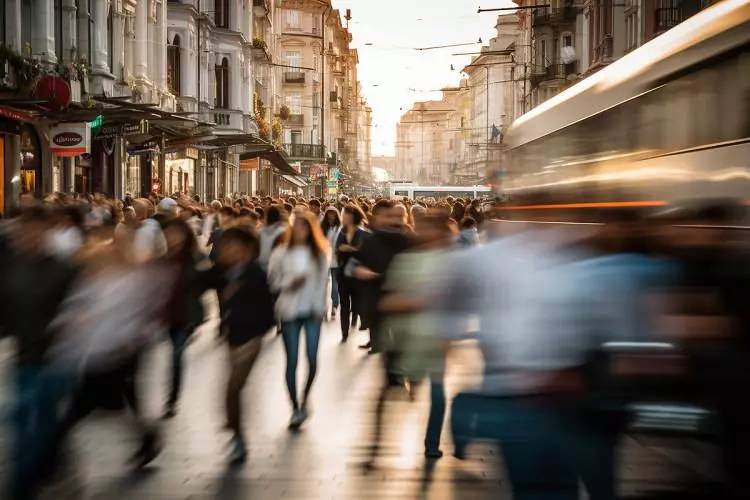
{"x":487,"y":118}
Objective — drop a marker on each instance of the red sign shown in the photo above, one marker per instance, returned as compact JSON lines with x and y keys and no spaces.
{"x":54,"y":89}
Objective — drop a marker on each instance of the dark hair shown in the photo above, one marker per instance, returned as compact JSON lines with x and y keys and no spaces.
{"x":325,"y":225}
{"x":273,"y":214}
{"x":468,"y":223}
{"x":357,"y":214}
{"x":241,"y":237}
{"x":314,"y":202}
{"x":244,"y":211}
{"x":288,"y":207}
{"x":190,"y":247}
{"x":228,"y":211}
{"x":382,"y":206}
{"x":261,"y":213}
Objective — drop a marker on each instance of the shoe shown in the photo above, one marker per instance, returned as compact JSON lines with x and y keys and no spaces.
{"x":298,"y":418}
{"x":239,"y":451}
{"x":149,"y":450}
{"x":169,"y":413}
{"x":366,"y":346}
{"x":434,"y":454}
{"x":344,"y":339}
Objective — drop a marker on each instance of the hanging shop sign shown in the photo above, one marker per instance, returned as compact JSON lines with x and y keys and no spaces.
{"x":334,"y":174}
{"x":151,"y":146}
{"x":248,"y":165}
{"x":70,"y":139}
{"x":191,"y":153}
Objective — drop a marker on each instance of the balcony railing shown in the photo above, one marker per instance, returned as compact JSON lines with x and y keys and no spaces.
{"x":306,"y":151}
{"x":546,"y":15}
{"x":667,"y":18}
{"x":297,"y":120}
{"x":294,"y":77}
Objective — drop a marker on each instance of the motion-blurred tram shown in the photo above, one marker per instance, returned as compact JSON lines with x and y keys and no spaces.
{"x":667,"y":125}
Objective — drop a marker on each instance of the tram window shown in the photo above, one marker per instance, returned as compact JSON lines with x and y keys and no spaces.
{"x":401,"y":193}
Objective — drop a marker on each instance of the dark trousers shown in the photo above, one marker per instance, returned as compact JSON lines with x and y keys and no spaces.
{"x":437,"y":413}
{"x":346,"y":297}
{"x":178,"y":338}
{"x":546,"y":445}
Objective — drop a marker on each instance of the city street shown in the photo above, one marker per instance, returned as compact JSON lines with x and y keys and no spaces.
{"x":324,"y":460}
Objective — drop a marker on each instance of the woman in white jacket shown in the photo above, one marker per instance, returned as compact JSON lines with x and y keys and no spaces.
{"x":298,"y":272}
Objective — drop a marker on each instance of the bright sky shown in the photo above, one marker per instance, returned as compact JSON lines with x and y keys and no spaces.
{"x":393,"y":74}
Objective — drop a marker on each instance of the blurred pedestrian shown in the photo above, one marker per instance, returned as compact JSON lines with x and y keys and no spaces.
{"x":298,"y":272}
{"x":348,"y":242}
{"x":331,"y":227}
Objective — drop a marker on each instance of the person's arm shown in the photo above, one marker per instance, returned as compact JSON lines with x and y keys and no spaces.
{"x":279,"y":280}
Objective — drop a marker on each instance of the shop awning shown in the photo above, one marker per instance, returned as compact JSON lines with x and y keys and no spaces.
{"x":276,"y":158}
{"x":297,"y":181}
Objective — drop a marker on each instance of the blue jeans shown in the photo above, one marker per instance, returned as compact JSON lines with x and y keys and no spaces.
{"x":291,"y":332}
{"x":35,"y":421}
{"x":546,"y":446}
{"x":335,"y":287}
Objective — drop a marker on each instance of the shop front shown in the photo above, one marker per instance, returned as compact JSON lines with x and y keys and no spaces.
{"x":70,"y":145}
{"x":180,"y":172}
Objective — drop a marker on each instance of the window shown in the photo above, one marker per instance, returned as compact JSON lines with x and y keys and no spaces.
{"x":173,"y":65}
{"x":567,"y":40}
{"x":294,"y":102}
{"x":543,"y":53}
{"x":221,"y":90}
{"x":293,"y":59}
{"x":85,"y":31}
{"x":296,"y":136}
{"x":293,"y":19}
{"x":111,"y":38}
{"x":58,"y":30}
{"x":221,"y":14}
{"x":316,"y":103}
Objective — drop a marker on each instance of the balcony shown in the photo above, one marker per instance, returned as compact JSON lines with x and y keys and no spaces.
{"x":296,"y":120}
{"x":546,"y":16}
{"x":306,"y":151}
{"x":294,"y":77}
{"x":553,"y":71}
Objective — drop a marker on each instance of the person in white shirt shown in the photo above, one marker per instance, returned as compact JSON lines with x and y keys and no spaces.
{"x":298,"y":273}
{"x":331,"y":227}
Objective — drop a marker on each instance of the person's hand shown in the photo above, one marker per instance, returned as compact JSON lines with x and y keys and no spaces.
{"x":346,"y":248}
{"x":365,"y":274}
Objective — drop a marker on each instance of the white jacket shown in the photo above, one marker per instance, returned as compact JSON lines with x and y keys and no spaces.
{"x":286,"y":265}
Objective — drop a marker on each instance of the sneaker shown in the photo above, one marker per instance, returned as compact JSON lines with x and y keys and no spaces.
{"x":169,"y":413}
{"x":298,"y":418}
{"x":433,"y":454}
{"x":149,"y":450}
{"x":239,"y":451}
{"x":366,"y":346}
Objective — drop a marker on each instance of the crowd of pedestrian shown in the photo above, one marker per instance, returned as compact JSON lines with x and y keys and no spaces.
{"x":90,"y":283}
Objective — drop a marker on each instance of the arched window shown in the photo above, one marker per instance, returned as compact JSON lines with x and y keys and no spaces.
{"x":221,"y":99}
{"x":173,"y":65}
{"x":221,"y":14}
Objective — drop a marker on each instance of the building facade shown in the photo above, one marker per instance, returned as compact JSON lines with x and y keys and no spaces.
{"x":206,"y":97}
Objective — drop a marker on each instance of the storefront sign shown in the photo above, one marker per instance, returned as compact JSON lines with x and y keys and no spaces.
{"x":191,"y":153}
{"x":252,"y":164}
{"x":70,"y":139}
{"x":122,"y":129}
{"x":334,"y":174}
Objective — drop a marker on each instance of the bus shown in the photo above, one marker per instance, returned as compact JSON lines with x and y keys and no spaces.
{"x":415,"y":192}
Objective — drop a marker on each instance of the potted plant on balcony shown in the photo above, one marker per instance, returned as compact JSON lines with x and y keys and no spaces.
{"x":277,"y":132}
{"x":264,"y":128}
{"x":260,"y":48}
{"x":284,"y":112}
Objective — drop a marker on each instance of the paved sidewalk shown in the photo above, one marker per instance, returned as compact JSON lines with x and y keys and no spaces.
{"x":322,"y":461}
